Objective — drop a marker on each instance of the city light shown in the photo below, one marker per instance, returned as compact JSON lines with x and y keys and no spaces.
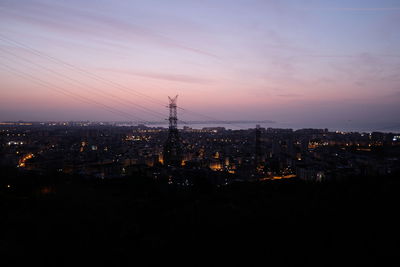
{"x":22,"y":161}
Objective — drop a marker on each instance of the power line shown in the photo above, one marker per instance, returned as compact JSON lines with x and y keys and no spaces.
{"x":154,"y":113}
{"x":72,"y":95}
{"x":92,"y":75}
{"x":99,"y":78}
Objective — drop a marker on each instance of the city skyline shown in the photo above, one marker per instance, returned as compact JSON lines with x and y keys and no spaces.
{"x":312,"y":63}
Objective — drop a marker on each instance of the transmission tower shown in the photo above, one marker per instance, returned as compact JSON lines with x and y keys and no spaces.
{"x":172,"y":150}
{"x":258,"y":153}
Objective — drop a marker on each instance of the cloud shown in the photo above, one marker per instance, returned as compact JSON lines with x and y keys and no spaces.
{"x":162,"y":76}
{"x":290,"y":95}
{"x":353,"y":8}
{"x":65,"y":19}
{"x":364,"y":55}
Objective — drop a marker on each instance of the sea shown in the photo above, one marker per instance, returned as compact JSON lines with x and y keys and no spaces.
{"x":386,"y":128}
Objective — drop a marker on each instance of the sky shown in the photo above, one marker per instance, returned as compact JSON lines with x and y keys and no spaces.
{"x":301,"y":62}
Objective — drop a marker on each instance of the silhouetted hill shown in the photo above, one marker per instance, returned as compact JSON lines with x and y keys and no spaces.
{"x":70,"y":221}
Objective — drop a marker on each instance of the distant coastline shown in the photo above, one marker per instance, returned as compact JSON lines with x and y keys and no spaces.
{"x":227,"y":124}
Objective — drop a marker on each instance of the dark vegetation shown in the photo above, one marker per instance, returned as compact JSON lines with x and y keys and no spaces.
{"x":65,"y":221}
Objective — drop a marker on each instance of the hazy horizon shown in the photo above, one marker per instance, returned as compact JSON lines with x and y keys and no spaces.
{"x":322,"y":64}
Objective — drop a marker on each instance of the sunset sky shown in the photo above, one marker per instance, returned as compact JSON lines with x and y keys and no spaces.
{"x":312,"y":63}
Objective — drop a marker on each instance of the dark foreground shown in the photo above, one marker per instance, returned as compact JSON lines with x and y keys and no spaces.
{"x":136,"y":222}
